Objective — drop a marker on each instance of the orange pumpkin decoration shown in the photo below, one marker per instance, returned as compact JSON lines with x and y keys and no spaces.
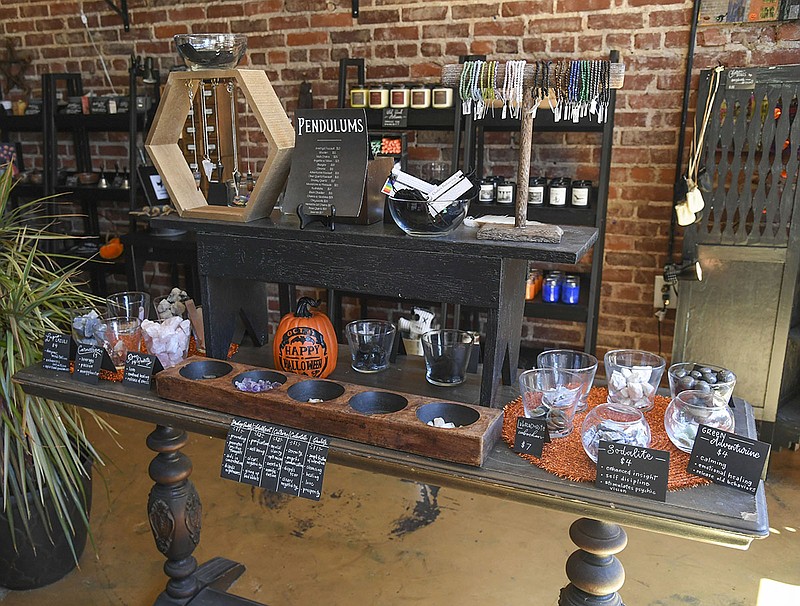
{"x":111,"y":249}
{"x":305,"y":342}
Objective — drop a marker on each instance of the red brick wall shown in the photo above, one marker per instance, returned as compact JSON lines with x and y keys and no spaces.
{"x":411,"y":40}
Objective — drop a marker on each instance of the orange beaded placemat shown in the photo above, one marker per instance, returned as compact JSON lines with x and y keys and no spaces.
{"x":566,"y":458}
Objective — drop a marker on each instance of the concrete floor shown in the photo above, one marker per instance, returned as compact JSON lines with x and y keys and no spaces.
{"x":379,"y":540}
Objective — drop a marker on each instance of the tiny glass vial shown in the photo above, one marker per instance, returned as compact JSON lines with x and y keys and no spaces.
{"x":486,"y":193}
{"x":536,"y":189}
{"x":505,"y":192}
{"x":581,"y":191}
{"x":442,"y":97}
{"x":571,"y":290}
{"x":551,"y":289}
{"x":378,"y":97}
{"x":399,"y":96}
{"x":558,"y":192}
{"x":420,"y":97}
{"x":358,"y":97}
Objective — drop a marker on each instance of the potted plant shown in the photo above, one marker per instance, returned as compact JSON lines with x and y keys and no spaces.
{"x":45,"y":455}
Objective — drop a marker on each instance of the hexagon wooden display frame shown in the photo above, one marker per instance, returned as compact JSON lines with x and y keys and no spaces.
{"x":162,"y":145}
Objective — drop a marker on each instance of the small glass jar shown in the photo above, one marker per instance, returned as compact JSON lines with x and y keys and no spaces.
{"x":399,"y":96}
{"x":536,"y":190}
{"x":581,"y":193}
{"x":378,"y":97}
{"x":558,"y":191}
{"x":551,"y":289}
{"x":506,"y":192}
{"x":359,"y":96}
{"x":533,"y":284}
{"x":690,"y":409}
{"x":420,"y":97}
{"x":486,"y":194}
{"x":614,"y":423}
{"x":571,"y":290}
{"x":442,"y":97}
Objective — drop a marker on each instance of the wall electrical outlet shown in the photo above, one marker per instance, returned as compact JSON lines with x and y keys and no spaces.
{"x":658,"y":300}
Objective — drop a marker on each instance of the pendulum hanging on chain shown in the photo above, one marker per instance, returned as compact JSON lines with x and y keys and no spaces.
{"x":238,"y":199}
{"x":218,"y":146}
{"x":195,"y":167}
{"x":208,"y":165}
{"x":249,"y":182}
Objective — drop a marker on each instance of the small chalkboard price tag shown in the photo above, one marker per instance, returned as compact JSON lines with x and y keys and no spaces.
{"x":139,"y":369}
{"x":88,"y":361}
{"x":728,"y":459}
{"x":279,"y":459}
{"x":633,"y":470}
{"x":394,"y":117}
{"x":531,"y":436}
{"x":55,"y":353}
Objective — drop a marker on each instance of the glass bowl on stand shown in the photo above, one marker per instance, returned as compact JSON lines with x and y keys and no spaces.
{"x":211,"y":51}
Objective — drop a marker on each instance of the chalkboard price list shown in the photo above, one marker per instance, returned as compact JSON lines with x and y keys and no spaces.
{"x":279,"y":459}
{"x":55,"y":353}
{"x":728,"y":459}
{"x":633,"y":470}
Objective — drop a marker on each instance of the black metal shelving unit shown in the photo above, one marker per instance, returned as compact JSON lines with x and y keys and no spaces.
{"x":471,"y":132}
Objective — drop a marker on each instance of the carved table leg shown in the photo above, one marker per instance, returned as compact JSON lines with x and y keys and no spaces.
{"x":175,"y":512}
{"x":594,"y":572}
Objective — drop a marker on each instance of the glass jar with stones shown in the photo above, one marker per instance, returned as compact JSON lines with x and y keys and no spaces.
{"x":691,"y":408}
{"x":370,"y":344}
{"x":702,"y":377}
{"x":633,"y":377}
{"x":614,"y":423}
{"x":551,"y":394}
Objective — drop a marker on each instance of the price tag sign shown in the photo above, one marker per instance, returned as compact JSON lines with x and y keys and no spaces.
{"x":139,"y":369}
{"x":531,"y":436}
{"x":277,"y":458}
{"x":634,"y":470}
{"x":55,"y":352}
{"x":394,"y":117}
{"x":88,"y":361}
{"x":728,"y":459}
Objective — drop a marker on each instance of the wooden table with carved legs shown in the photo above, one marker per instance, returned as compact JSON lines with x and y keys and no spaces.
{"x":713,"y":514}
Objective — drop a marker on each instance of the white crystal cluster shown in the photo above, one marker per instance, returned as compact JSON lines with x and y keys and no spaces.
{"x":440,"y":422}
{"x":172,"y":305}
{"x":631,"y":386}
{"x":168,"y":339}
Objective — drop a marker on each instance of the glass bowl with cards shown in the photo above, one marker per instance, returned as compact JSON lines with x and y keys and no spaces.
{"x":691,"y":408}
{"x":426,"y":210}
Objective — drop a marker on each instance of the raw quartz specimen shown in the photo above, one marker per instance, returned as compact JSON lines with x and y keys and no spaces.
{"x":635,"y":435}
{"x":440,"y":422}
{"x":248,"y":384}
{"x":89,"y":329}
{"x":631,"y":386}
{"x":173,"y":304}
{"x":168,"y":339}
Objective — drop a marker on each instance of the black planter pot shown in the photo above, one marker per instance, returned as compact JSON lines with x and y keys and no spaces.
{"x":24,"y":569}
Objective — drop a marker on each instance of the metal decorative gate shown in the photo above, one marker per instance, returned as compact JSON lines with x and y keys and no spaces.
{"x":746,"y":237}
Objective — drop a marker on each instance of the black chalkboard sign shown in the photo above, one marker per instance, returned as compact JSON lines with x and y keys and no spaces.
{"x":329,"y":163}
{"x":277,"y":458}
{"x":98,"y":105}
{"x":88,"y":360}
{"x":139,"y":369}
{"x":633,"y":470}
{"x":394,"y":117}
{"x":55,"y":352}
{"x":531,"y":436}
{"x":728,"y":459}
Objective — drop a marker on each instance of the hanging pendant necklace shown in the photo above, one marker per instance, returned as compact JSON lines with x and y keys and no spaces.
{"x":195,"y":167}
{"x":208,"y":165}
{"x":237,"y":176}
{"x":215,"y":84}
